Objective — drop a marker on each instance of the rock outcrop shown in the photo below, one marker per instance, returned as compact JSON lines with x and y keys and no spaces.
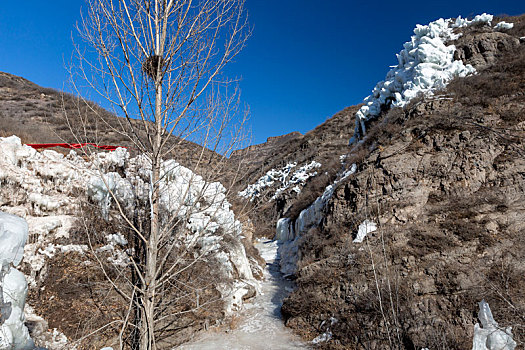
{"x":483,"y":49}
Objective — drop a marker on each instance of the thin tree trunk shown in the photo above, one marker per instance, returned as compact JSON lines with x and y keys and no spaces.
{"x":148,"y":339}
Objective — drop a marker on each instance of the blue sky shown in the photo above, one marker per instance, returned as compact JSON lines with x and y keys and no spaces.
{"x":306,"y":60}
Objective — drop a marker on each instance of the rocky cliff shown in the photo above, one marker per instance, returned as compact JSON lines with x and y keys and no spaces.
{"x":443,"y":182}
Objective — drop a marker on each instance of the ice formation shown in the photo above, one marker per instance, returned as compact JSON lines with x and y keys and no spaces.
{"x":45,"y":188}
{"x":425,"y":64}
{"x":327,"y":335}
{"x":365,"y":228}
{"x":282,"y":177}
{"x":504,"y":26}
{"x":489,"y":336}
{"x":202,"y":207}
{"x":288,"y":232}
{"x":13,"y":286}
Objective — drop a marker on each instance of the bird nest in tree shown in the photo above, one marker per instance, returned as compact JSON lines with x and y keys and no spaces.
{"x":152,"y":65}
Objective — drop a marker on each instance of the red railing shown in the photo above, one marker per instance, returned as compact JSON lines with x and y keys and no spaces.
{"x":72,"y":145}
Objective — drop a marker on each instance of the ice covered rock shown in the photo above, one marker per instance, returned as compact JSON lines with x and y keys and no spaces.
{"x":284,"y":178}
{"x":13,"y":237}
{"x":288,"y":232}
{"x":210,"y":225}
{"x":425,"y":64}
{"x":504,"y":26}
{"x":365,"y":228}
{"x":484,"y":18}
{"x":105,"y":188}
{"x":50,"y":185}
{"x":489,"y":336}
{"x":110,"y":160}
{"x":13,"y":285}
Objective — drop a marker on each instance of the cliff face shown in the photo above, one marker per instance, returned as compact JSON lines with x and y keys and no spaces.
{"x":443,"y":180}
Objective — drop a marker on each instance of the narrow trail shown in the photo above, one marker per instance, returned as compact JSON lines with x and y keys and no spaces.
{"x":261,"y":326}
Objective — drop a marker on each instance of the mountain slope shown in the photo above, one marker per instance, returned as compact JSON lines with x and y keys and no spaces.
{"x":44,"y":115}
{"x":443,"y":181}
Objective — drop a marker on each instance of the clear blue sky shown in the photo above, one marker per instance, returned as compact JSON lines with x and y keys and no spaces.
{"x":306,"y":60}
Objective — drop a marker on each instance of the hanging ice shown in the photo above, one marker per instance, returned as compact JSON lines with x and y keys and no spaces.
{"x":289,"y":232}
{"x":425,"y":64}
{"x":490,"y":336}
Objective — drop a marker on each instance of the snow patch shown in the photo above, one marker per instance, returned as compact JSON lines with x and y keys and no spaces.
{"x":282,"y":177}
{"x":365,"y":228}
{"x":327,"y":335}
{"x":504,"y":26}
{"x":45,"y":337}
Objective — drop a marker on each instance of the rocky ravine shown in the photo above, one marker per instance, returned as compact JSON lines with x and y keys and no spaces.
{"x":442,"y":179}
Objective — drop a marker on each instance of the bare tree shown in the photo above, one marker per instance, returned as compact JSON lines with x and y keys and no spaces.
{"x":159,"y":63}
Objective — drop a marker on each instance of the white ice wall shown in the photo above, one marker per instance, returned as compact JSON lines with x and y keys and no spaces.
{"x":289,"y":232}
{"x":211,"y":223}
{"x":425,"y":64}
{"x":13,"y":236}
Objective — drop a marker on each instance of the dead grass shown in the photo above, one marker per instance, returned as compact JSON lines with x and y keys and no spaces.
{"x":505,"y":78}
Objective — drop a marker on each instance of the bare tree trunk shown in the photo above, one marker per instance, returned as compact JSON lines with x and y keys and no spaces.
{"x":148,"y":338}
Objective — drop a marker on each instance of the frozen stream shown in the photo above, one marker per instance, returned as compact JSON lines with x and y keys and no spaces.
{"x":261,"y":326}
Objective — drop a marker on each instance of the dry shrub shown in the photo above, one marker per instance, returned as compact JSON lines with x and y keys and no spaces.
{"x":504,"y":78}
{"x":505,"y":292}
{"x":424,"y":241}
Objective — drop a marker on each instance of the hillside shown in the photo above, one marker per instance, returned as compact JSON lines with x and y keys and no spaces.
{"x":45,"y":115}
{"x":440,"y":182}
